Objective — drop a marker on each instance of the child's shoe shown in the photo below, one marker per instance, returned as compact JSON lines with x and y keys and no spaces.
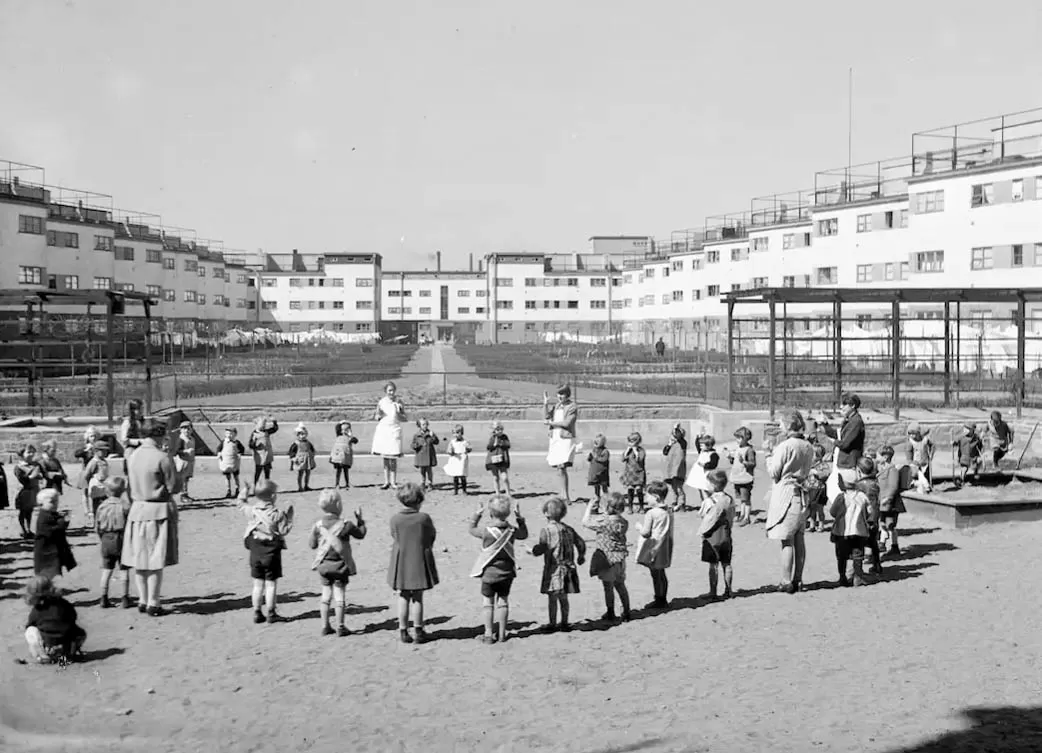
{"x":564,"y":628}
{"x":404,"y":636}
{"x":105,"y":601}
{"x":609,"y":616}
{"x":419,"y":635}
{"x":626,"y":615}
{"x":124,"y":603}
{"x":343,"y":631}
{"x":327,"y":630}
{"x":274,"y":616}
{"x":728,"y":594}
{"x":859,"y":574}
{"x":488,"y":640}
{"x":258,"y":617}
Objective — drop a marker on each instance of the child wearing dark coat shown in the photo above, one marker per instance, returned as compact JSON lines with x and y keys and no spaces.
{"x":968,"y":450}
{"x":51,"y":630}
{"x":634,"y":473}
{"x":302,"y":458}
{"x":850,"y":527}
{"x":412,"y":570}
{"x":29,"y":474}
{"x":53,"y":472}
{"x":676,"y":466}
{"x":597,"y":474}
{"x":342,"y":456}
{"x":497,"y":461}
{"x":496,"y":566}
{"x":423,"y":444}
{"x":51,"y":551}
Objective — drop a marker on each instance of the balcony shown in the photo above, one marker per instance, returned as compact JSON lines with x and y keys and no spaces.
{"x":1004,"y":139}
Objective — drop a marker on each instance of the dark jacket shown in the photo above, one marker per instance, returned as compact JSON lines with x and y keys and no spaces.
{"x":850,"y":440}
{"x":412,"y":565}
{"x":51,"y":550}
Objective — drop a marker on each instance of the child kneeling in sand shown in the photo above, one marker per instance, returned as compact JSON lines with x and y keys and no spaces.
{"x":331,"y":536}
{"x":51,"y":630}
{"x":265,"y":538}
{"x":496,"y":565}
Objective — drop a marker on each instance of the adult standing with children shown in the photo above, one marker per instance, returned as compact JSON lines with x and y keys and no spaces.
{"x":150,"y":540}
{"x":850,"y":439}
{"x":561,"y":419}
{"x":387,"y":439}
{"x":789,"y":465}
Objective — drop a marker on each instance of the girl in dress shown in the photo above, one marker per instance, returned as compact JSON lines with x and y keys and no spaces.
{"x":920,"y":455}
{"x":51,"y":551}
{"x":53,"y":473}
{"x":412,"y":570}
{"x":51,"y":630}
{"x":111,"y":523}
{"x":130,"y":430}
{"x":184,"y":457}
{"x":342,"y":456}
{"x":597,"y":474}
{"x":706,"y":461}
{"x":676,"y":466}
{"x":424,"y":443}
{"x":387,"y":439}
{"x":459,"y":460}
{"x":743,"y":465}
{"x":716,"y":533}
{"x":230,"y":454}
{"x":302,"y":458}
{"x":85,"y":454}
{"x":561,"y":419}
{"x":634,"y":474}
{"x":29,"y":474}
{"x":498,"y":458}
{"x":816,"y":491}
{"x":561,"y":549}
{"x":260,"y":445}
{"x":265,"y":538}
{"x":609,"y":558}
{"x":331,"y":536}
{"x":655,"y":551}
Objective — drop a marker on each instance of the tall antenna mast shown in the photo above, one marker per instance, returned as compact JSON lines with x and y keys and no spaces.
{"x":850,"y":126}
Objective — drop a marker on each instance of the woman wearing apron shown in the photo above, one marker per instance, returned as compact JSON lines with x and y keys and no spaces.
{"x":788,"y":465}
{"x":561,"y":419}
{"x":387,"y":439}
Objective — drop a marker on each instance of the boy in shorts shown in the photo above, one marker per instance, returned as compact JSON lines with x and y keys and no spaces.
{"x":496,"y":565}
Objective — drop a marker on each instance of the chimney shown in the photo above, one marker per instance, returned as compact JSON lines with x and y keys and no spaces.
{"x":480,"y":265}
{"x":437,"y":255}
{"x":471,"y":262}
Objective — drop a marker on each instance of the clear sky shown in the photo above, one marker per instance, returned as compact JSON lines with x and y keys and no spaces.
{"x":473,"y":126}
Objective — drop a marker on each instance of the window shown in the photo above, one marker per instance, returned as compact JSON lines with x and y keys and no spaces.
{"x":616,"y":282}
{"x":531,"y":282}
{"x":929,"y":202}
{"x":530,"y":304}
{"x":479,"y":309}
{"x":337,"y":304}
{"x":240,"y":303}
{"x":466,"y":309}
{"x":461,"y":293}
{"x":713,"y":290}
{"x":678,"y":266}
{"x":929,"y":261}
{"x":665,"y":298}
{"x":864,"y":273}
{"x":827,"y":275}
{"x":363,"y":305}
{"x":30,"y":275}
{"x":406,"y":293}
{"x":169,"y":295}
{"x":760,"y":282}
{"x":598,"y":304}
{"x":363,"y":282}
{"x":1038,"y":254}
{"x":736,"y":254}
{"x":153,"y":256}
{"x":504,"y":282}
{"x":787,"y":240}
{"x":904,"y":218}
{"x":425,"y":310}
{"x":102,"y":243}
{"x":736,"y":286}
{"x":505,"y":326}
{"x":29,"y":224}
{"x":169,"y":263}
{"x":573,"y":304}
{"x":71,"y":282}
{"x":678,"y":296}
{"x":394,"y":293}
{"x":269,"y":305}
{"x":504,"y":305}
{"x":202,"y":271}
{"x":712,"y":257}
{"x":617,"y":304}
{"x":335,"y":282}
{"x":364,"y":327}
{"x":269,"y":282}
{"x":200,"y":298}
{"x":124,"y":253}
{"x":394,"y":310}
{"x":627,"y":279}
{"x":598,"y":282}
{"x":649,"y":274}
{"x":480,"y":293}
{"x":983,"y":195}
{"x":1017,"y":257}
{"x":789,"y":281}
{"x":218,"y":273}
{"x":191,"y":265}
{"x":982,"y":258}
{"x":296,"y":305}
{"x":425,"y":294}
{"x":888,"y":272}
{"x":105,"y":283}
{"x":406,"y":310}
{"x":864,"y":223}
{"x":829,"y":226}
{"x":572,"y":282}
{"x":240,"y":278}
{"x":761,"y":243}
{"x":125,"y":287}
{"x":63,"y":239}
{"x":1018,"y":189}
{"x":905,"y":267}
{"x":888,"y":219}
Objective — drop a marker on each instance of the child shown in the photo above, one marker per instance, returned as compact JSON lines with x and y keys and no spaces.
{"x":597,"y":475}
{"x":302,"y":457}
{"x":51,"y":630}
{"x":459,"y":460}
{"x":676,"y":466}
{"x":716,"y":533}
{"x":707,"y":460}
{"x":230,"y":453}
{"x":498,"y":458}
{"x":87,"y":455}
{"x":609,"y":558}
{"x":743,"y":466}
{"x":111,"y":517}
{"x":423,"y":444}
{"x":496,"y":565}
{"x":94,"y":475}
{"x":412,"y":569}
{"x":634,"y":473}
{"x":30,"y":475}
{"x":655,"y":550}
{"x":3,"y":487}
{"x":265,"y":538}
{"x":260,"y":445}
{"x":1001,"y":438}
{"x":86,"y":452}
{"x":561,"y":549}
{"x":53,"y":473}
{"x":849,"y":512}
{"x":816,"y":489}
{"x":331,"y":536}
{"x":342,"y":456}
{"x":184,"y":457}
{"x":51,"y":551}
{"x":920,"y":455}
{"x":890,"y":503}
{"x":866,"y":474}
{"x":969,"y":448}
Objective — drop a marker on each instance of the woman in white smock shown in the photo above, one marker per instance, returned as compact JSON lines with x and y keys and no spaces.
{"x":387,"y":439}
{"x":788,"y":465}
{"x":561,"y":419}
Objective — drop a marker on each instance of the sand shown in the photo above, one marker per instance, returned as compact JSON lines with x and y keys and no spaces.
{"x":881,"y":668}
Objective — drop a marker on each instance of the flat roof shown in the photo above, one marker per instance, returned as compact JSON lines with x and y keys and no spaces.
{"x":883,"y":295}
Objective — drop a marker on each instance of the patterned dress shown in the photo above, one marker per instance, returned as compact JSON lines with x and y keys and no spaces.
{"x":634,"y":474}
{"x":558,"y":544}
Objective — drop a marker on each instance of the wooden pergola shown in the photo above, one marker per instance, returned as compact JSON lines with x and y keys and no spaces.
{"x":37,"y":303}
{"x":835,"y":298}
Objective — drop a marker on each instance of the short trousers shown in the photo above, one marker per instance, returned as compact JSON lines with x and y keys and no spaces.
{"x":720,"y":554}
{"x":265,"y":559}
{"x":500,"y":589}
{"x":888,"y":520}
{"x":998,"y":454}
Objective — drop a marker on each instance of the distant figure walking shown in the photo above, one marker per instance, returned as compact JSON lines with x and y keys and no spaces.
{"x":660,"y":348}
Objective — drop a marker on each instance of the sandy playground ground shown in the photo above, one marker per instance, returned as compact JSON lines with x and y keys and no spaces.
{"x":952,"y":625}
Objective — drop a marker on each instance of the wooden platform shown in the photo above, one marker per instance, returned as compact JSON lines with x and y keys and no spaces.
{"x":967,"y":512}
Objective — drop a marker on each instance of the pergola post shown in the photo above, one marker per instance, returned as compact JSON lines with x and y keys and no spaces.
{"x":771,"y":351}
{"x":110,"y":347}
{"x":1021,"y":353}
{"x":958,"y":353}
{"x":837,"y":350}
{"x":895,"y":349}
{"x":148,"y":357}
{"x":730,"y":354}
{"x":947,"y":354}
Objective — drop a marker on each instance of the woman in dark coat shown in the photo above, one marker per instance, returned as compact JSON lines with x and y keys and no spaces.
{"x":51,"y":551}
{"x":412,"y":570}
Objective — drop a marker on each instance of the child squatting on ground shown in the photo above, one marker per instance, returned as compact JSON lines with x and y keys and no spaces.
{"x":331,"y":536}
{"x":561,"y":549}
{"x":265,"y":538}
{"x":51,"y":630}
{"x":496,"y":565}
